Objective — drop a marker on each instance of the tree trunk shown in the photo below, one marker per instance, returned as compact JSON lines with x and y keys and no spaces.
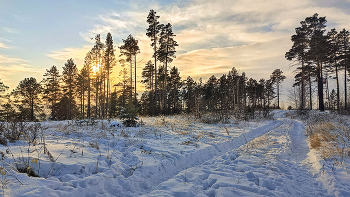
{"x":302,"y":103}
{"x":338,"y":99}
{"x":32,"y":109}
{"x":165,"y":83}
{"x":310,"y":93}
{"x":108,"y":93}
{"x":156,"y":78}
{"x":104,"y":97}
{"x":96,"y":110}
{"x":151,"y":96}
{"x":83,"y":104}
{"x":278,"y":95}
{"x":131,"y":80}
{"x":89,"y":94}
{"x":345,"y":89}
{"x":135,"y":82}
{"x":69,"y":103}
{"x":320,"y":86}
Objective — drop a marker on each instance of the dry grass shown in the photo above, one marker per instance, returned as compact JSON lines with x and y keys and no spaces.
{"x":315,"y":141}
{"x":189,"y":142}
{"x":94,"y":145}
{"x":329,"y":138}
{"x":320,"y":133}
{"x":199,"y":136}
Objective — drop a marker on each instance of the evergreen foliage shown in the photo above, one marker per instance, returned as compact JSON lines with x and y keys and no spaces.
{"x":129,"y":115}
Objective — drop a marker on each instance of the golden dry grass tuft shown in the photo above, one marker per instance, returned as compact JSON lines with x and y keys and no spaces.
{"x":315,"y":141}
{"x":320,"y":133}
{"x":328,"y":137}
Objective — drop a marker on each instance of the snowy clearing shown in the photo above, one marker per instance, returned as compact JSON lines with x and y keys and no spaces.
{"x":172,"y":156}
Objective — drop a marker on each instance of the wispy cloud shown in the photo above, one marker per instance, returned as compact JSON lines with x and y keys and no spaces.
{"x":9,"y":60}
{"x":14,"y":72}
{"x":115,"y":23}
{"x":16,"y":68}
{"x":77,"y":54}
{"x":2,"y":45}
{"x":215,"y":36}
{"x":10,"y":30}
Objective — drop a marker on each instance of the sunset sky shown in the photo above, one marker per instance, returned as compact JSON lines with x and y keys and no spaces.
{"x":213,"y":36}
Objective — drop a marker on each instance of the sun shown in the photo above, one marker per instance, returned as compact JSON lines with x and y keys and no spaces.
{"x":94,"y":69}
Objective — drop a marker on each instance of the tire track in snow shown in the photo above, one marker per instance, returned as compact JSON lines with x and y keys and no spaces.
{"x":192,"y":160}
{"x":295,"y":157}
{"x":298,"y":146}
{"x":233,"y":174}
{"x":169,"y":168}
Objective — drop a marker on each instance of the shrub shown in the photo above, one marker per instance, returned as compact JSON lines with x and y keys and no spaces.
{"x":129,"y":115}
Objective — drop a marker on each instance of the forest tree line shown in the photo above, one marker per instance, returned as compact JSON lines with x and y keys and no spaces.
{"x":88,"y":92}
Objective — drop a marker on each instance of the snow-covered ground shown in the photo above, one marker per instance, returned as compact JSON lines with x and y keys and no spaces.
{"x":172,"y":156}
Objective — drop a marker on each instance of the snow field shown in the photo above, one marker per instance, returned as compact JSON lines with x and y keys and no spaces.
{"x":176,"y":156}
{"x":117,"y":161}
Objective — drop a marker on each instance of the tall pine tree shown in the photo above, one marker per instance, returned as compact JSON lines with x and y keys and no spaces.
{"x":52,"y":89}
{"x":152,"y":32}
{"x":69,"y":77}
{"x":166,"y":52}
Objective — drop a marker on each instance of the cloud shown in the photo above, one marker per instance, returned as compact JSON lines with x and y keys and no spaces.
{"x":15,"y":68}
{"x":262,"y":57}
{"x":10,"y":30}
{"x":8,"y":60}
{"x":77,"y":54}
{"x":2,"y":45}
{"x":121,"y":24}
{"x":12,"y":73}
{"x":215,"y":36}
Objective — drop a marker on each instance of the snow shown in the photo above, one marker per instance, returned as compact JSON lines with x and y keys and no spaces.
{"x":173,"y":156}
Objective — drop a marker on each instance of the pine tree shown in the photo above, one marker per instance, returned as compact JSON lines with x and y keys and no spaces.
{"x":189,"y":97}
{"x":269,"y":92}
{"x":334,"y":60}
{"x":318,"y":50}
{"x":232,"y":80}
{"x":166,"y":52}
{"x":130,"y":49}
{"x":223,"y":92}
{"x":210,"y":93}
{"x":87,"y":67}
{"x":28,"y":91}
{"x":109,"y":64}
{"x":252,"y":92}
{"x":174,"y":90}
{"x":344,"y":56}
{"x":52,"y":88}
{"x":3,"y":87}
{"x":124,"y":85}
{"x":148,"y":79}
{"x":298,"y":52}
{"x":69,"y":77}
{"x":82,"y":87}
{"x":152,"y":32}
{"x":96,"y":53}
{"x":277,"y":79}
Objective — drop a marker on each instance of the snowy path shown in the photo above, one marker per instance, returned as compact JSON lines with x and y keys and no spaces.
{"x":271,"y":165}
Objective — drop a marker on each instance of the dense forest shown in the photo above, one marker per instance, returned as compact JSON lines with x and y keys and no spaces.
{"x":88,"y":93}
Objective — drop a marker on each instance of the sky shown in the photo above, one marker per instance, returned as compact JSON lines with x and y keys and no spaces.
{"x":213,"y":36}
